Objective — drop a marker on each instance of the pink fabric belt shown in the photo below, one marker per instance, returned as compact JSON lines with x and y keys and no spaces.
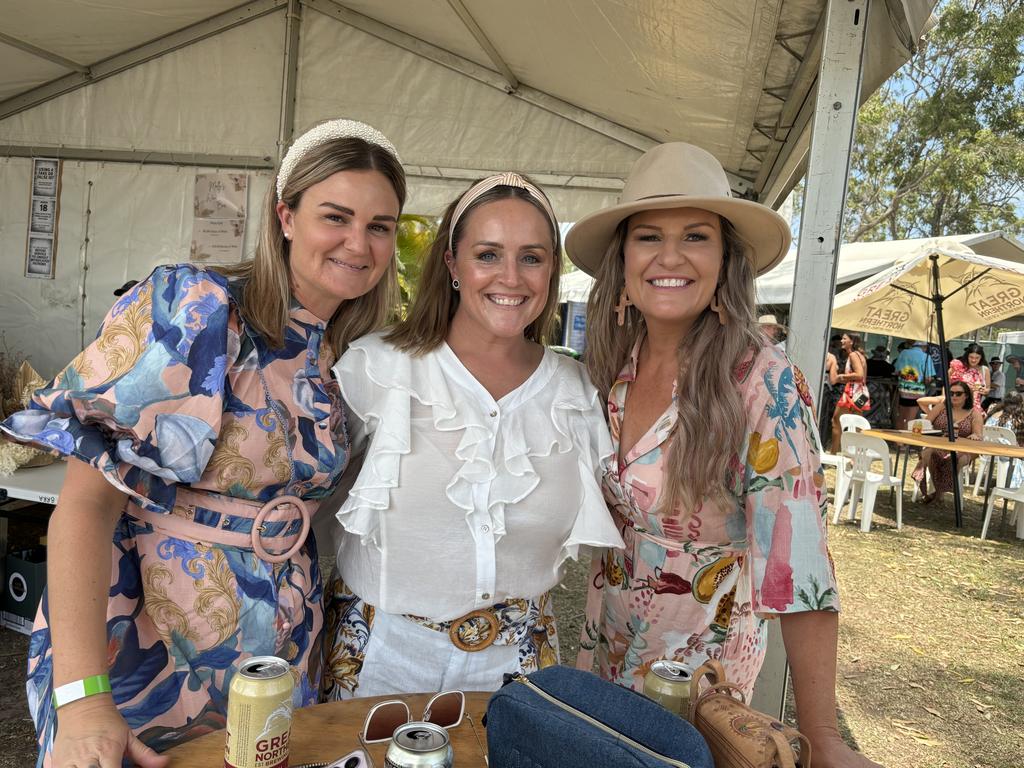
{"x":217,"y":519}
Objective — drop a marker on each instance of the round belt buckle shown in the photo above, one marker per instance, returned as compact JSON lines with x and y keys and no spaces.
{"x":474,"y":631}
{"x":257,"y":525}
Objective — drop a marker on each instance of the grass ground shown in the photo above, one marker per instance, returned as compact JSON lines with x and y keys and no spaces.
{"x":931,"y":646}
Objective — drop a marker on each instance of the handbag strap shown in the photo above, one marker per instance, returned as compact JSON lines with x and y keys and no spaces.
{"x":713,"y":670}
{"x":784,"y":750}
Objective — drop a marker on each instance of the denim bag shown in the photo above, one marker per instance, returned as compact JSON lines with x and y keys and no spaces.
{"x":565,"y":717}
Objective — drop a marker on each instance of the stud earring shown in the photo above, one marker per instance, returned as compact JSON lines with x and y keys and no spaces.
{"x":718,"y":309}
{"x":287,"y":236}
{"x":620,"y":308}
{"x":456,"y":284}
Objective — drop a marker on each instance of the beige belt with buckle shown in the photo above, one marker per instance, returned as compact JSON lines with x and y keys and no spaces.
{"x":483,"y":627}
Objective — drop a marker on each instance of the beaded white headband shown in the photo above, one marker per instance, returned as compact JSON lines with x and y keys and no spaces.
{"x":499,"y":180}
{"x":321,"y":134}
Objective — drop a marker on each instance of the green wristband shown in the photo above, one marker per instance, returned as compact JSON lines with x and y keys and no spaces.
{"x":79,"y":689}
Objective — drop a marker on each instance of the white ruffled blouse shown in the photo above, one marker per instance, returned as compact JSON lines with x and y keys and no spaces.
{"x":464,"y":501}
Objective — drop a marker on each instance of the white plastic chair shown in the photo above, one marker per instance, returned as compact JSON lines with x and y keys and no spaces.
{"x":1015,"y":495}
{"x":859,"y":479}
{"x":995,"y":434}
{"x":851,"y":421}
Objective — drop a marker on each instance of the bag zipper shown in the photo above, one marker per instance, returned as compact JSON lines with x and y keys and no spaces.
{"x":521,"y":678}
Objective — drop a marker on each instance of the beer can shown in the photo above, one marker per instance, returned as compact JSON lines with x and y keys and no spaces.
{"x":259,"y":714}
{"x":668,"y":683}
{"x":419,"y":745}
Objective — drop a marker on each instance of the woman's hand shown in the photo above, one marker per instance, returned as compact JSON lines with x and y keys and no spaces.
{"x":828,"y":750}
{"x":91,"y":732}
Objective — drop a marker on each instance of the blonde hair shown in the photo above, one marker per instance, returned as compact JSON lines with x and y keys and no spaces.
{"x":436,"y":302}
{"x":712,"y":420}
{"x":267,"y":292}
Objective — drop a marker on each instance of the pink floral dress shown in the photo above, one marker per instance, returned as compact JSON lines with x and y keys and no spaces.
{"x":692,"y":585}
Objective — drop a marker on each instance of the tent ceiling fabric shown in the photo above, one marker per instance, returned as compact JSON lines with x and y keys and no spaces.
{"x":639,"y":64}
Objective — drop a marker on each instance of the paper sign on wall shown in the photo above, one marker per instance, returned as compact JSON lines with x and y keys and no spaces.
{"x":44,"y":202}
{"x":219,"y":211}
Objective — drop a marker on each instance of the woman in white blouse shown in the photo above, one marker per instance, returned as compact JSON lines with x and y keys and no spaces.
{"x":483,"y":454}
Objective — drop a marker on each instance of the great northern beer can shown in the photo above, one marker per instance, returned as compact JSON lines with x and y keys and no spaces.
{"x":419,"y":745}
{"x":668,"y":683}
{"x":259,"y":714}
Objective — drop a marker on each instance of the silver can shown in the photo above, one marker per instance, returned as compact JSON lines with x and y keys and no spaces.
{"x":668,"y":683}
{"x":419,"y":745}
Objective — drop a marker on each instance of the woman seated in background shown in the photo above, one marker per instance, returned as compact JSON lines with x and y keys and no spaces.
{"x":483,"y":458}
{"x":972,"y":368}
{"x":1010,"y":413}
{"x":968,"y":422}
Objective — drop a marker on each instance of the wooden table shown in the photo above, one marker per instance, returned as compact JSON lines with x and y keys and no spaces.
{"x":325,"y":732}
{"x":942,"y":443}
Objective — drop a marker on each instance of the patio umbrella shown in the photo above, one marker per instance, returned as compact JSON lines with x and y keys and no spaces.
{"x":942,"y":284}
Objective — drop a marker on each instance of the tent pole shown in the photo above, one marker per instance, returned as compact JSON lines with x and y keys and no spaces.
{"x":828,"y":169}
{"x":958,"y":502}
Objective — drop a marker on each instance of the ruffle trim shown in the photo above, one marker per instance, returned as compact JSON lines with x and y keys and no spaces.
{"x":377,"y":381}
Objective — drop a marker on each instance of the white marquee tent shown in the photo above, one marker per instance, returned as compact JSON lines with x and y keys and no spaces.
{"x":860,"y":260}
{"x":139,"y":95}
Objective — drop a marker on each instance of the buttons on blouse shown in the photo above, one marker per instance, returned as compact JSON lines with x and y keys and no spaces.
{"x":493,"y":414}
{"x":322,"y":425}
{"x":485,"y":529}
{"x":485,"y":596}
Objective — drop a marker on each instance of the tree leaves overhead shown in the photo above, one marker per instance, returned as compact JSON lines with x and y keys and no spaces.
{"x":939,"y":149}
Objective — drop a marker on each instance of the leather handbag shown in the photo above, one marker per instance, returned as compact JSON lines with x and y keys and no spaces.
{"x":740,"y":737}
{"x":560,"y":717}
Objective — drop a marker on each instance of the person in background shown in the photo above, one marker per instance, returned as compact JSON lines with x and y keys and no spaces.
{"x":915,"y":372}
{"x":1015,"y":373}
{"x":968,"y":422}
{"x":971,"y":368}
{"x":773,"y":330}
{"x":935,"y":353}
{"x":717,"y":487}
{"x":878,"y":364}
{"x":998,"y":390}
{"x":855,"y":398}
{"x":202,"y":428}
{"x":1009,"y":412}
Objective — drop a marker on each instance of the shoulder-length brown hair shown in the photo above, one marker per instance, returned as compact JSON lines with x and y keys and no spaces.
{"x":268,"y":289}
{"x":712,"y":421}
{"x":436,"y":302}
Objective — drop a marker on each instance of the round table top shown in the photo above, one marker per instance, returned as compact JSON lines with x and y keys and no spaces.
{"x":325,"y":732}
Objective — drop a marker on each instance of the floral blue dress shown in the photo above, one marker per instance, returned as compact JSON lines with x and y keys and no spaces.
{"x":188,"y":411}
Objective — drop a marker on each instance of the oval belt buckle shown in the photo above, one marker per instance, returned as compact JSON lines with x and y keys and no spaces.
{"x":466,"y":635}
{"x":257,"y":524}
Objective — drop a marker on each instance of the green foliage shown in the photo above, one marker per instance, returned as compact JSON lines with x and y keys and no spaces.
{"x":940,"y":148}
{"x":415,"y":234}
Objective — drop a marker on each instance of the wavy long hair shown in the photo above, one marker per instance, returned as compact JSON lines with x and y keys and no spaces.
{"x":268,"y":290}
{"x":712,"y":420}
{"x":436,"y":302}
{"x":970,"y":349}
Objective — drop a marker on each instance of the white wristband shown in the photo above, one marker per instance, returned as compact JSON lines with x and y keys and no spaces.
{"x":79,"y":689}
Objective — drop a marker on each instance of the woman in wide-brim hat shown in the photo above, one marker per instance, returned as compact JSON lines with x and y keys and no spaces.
{"x":718,"y":489}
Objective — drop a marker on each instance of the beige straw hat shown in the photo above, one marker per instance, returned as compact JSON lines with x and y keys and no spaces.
{"x":679,"y":175}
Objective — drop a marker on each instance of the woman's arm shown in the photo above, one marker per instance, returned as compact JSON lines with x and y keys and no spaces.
{"x":90,"y":731}
{"x":812,"y":639}
{"x":986,"y":387}
{"x":977,"y":423}
{"x":832,"y":366}
{"x":860,"y":371}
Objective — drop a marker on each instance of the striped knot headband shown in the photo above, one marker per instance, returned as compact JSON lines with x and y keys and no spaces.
{"x":509,"y":179}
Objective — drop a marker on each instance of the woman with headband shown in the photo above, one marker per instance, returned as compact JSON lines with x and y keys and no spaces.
{"x":204,"y":427}
{"x":483,"y":452}
{"x":717,"y":487}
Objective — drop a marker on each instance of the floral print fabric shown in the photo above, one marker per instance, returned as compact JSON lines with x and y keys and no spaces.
{"x":698,"y":584}
{"x":177,"y":390}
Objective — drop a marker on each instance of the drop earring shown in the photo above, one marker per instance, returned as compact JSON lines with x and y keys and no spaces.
{"x":620,"y":308}
{"x":718,"y":309}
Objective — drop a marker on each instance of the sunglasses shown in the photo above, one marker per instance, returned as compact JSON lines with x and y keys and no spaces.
{"x":958,"y":394}
{"x":445,"y":709}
